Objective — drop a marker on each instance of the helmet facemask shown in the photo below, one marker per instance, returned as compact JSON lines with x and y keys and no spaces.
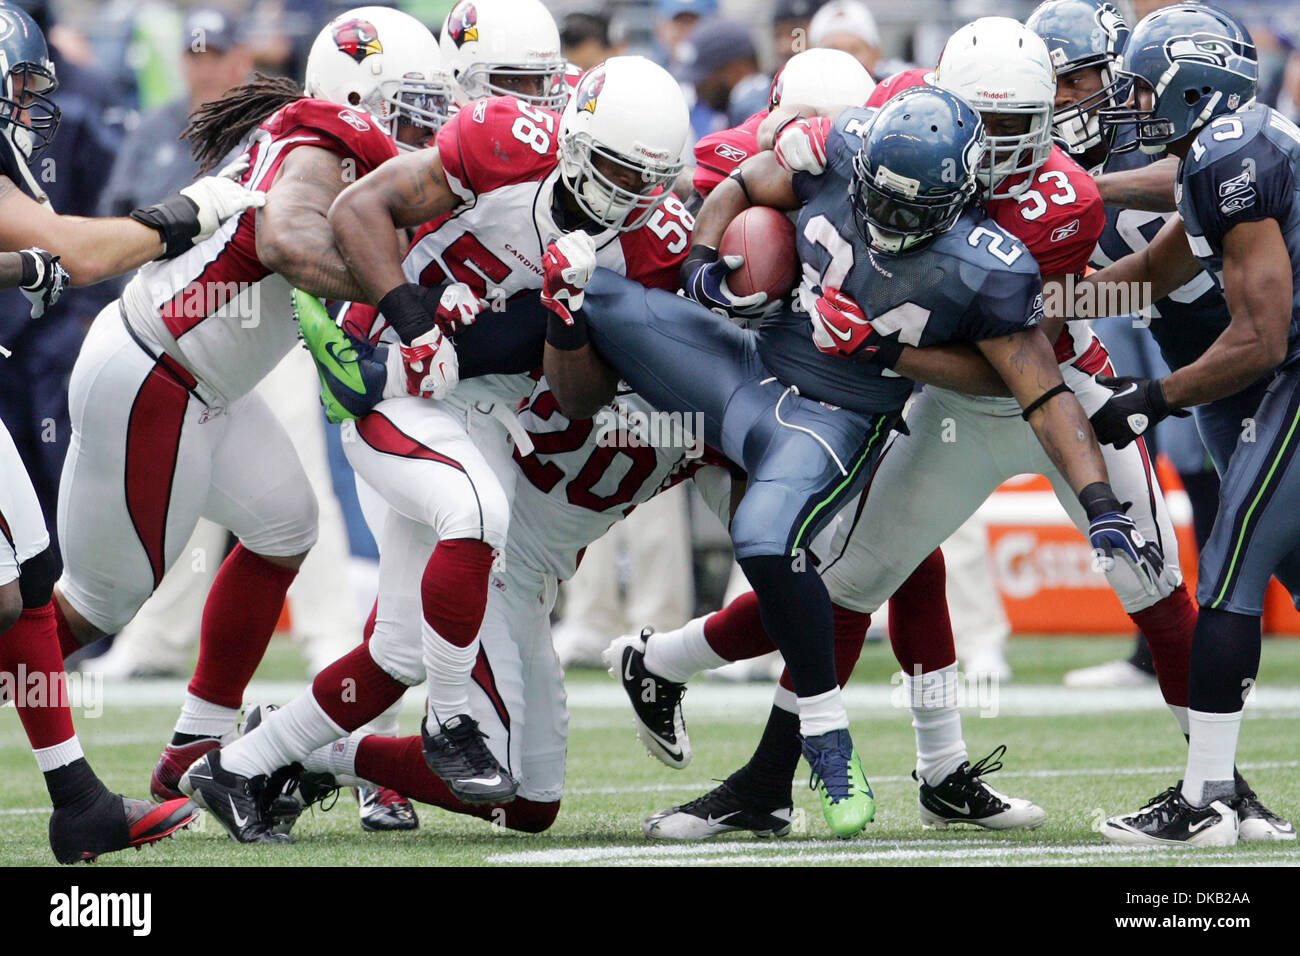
{"x":1014,"y":156}
{"x":27,"y":90}
{"x":896,"y":219}
{"x":416,"y":101}
{"x":485,"y":79}
{"x":1079,"y":125}
{"x":602,"y":198}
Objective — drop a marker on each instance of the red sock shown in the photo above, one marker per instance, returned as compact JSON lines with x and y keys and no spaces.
{"x":31,"y":648}
{"x":919,"y":628}
{"x":1168,"y":625}
{"x":68,"y":644}
{"x":238,"y":621}
{"x":368,"y":629}
{"x":354,"y":689}
{"x":850,"y":634}
{"x":397,"y":763}
{"x":736,"y":632}
{"x":453,"y":591}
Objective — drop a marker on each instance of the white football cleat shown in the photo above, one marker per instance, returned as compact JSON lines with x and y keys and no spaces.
{"x":962,"y":797}
{"x":1169,"y":820}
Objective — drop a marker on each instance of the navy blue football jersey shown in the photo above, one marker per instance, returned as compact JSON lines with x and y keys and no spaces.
{"x":1243,"y":167}
{"x":976,"y":281}
{"x":1186,"y":322}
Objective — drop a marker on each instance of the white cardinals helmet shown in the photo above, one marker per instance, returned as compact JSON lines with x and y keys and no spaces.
{"x":505,"y":48}
{"x":629,"y":115}
{"x":827,"y":80}
{"x":1002,"y":68}
{"x":383,"y":62}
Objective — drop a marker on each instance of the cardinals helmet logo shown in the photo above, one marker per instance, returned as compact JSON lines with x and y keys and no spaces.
{"x":589,"y":89}
{"x":462,"y":23}
{"x":357,"y":38}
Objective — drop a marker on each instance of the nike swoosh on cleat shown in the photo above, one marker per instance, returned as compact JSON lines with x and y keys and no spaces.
{"x":627,"y":665}
{"x":964,"y":808}
{"x":240,"y":821}
{"x":486,"y":781}
{"x":1200,"y":825}
{"x":716,"y":821}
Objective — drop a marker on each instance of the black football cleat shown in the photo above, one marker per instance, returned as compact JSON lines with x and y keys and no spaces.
{"x":459,"y":755}
{"x":113,"y":822}
{"x":1257,"y":822}
{"x":962,"y":797}
{"x":719,"y":811}
{"x":382,"y":810}
{"x":656,"y":703}
{"x":238,"y":803}
{"x":1169,"y":820}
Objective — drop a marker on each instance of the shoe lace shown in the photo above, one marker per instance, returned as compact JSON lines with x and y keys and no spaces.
{"x":831,"y":768}
{"x":471,"y":744}
{"x":989,"y":764}
{"x":709,"y":800}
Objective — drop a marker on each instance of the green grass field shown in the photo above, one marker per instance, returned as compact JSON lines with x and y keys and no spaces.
{"x":1080,"y":755}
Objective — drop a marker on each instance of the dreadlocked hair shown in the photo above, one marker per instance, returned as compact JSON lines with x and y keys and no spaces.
{"x":217,"y":127}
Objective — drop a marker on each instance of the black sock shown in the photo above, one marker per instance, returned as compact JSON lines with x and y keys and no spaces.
{"x":1225,"y":660}
{"x":180,"y":740}
{"x":796,"y":613}
{"x":72,"y":784}
{"x":766,"y":779}
{"x":1141,"y":656}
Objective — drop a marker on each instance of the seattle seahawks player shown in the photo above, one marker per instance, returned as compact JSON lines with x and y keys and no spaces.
{"x":1194,"y":74}
{"x":808,"y":426}
{"x":88,"y":819}
{"x":1085,"y":39}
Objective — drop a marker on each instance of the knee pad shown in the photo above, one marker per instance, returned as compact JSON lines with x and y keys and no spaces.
{"x":36,"y":577}
{"x":291,"y":532}
{"x":398,"y":652}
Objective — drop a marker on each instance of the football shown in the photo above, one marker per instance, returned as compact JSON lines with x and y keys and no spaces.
{"x":765,"y":237}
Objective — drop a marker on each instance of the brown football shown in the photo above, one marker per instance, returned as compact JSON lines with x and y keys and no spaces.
{"x":765,"y":237}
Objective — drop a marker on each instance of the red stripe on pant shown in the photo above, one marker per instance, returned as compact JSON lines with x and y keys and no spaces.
{"x":153,"y":438}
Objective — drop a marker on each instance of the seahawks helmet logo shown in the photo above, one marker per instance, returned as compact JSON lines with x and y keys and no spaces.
{"x":357,"y":38}
{"x":1200,"y":48}
{"x":589,"y":89}
{"x":1112,"y":25}
{"x":462,"y":23}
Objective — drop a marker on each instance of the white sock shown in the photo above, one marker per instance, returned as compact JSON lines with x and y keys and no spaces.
{"x":932,"y":698}
{"x":284,"y":736}
{"x":448,"y":668}
{"x":204,"y":719}
{"x":785,"y":700}
{"x":60,"y":755}
{"x":822,"y":714}
{"x":339,"y":760}
{"x":680,"y":654}
{"x":1211,"y":753}
{"x":1180,"y":715}
{"x":386,"y":724}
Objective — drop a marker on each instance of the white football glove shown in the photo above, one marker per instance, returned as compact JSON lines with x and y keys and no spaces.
{"x":218,"y":199}
{"x":801,"y":145}
{"x":235,"y":168}
{"x":427,"y":368}
{"x":567,"y":267}
{"x":458,"y":307}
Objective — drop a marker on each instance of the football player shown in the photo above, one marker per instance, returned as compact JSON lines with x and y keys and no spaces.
{"x":1086,"y":39}
{"x":960,"y":447}
{"x":1194,"y":74}
{"x":505,"y":179}
{"x":166,"y":427}
{"x":505,"y":48}
{"x":808,"y":426}
{"x":88,"y":820}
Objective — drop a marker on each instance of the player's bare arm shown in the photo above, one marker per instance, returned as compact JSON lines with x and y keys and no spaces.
{"x":406,"y":191}
{"x":1149,"y":188}
{"x":293,"y":234}
{"x":1028,"y":366}
{"x":957,"y":365}
{"x":1257,"y":285}
{"x":765,"y":183}
{"x":580,"y":379}
{"x":1163,"y":266}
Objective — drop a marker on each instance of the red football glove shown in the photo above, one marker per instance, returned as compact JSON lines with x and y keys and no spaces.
{"x":566,"y":267}
{"x":841,"y":328}
{"x":431,"y":366}
{"x":801,"y":146}
{"x":458,"y":307}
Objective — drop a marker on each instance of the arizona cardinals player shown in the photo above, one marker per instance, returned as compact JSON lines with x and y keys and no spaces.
{"x":505,"y":180}
{"x":165,"y":425}
{"x":505,"y":48}
{"x":88,"y":820}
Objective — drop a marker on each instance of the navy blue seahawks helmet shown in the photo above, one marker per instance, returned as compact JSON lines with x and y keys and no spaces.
{"x":1081,"y":34}
{"x":1197,"y":61}
{"x":915,"y":171}
{"x":28,"y":117}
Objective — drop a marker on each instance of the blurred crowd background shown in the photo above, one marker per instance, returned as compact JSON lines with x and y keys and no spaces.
{"x":130,"y":72}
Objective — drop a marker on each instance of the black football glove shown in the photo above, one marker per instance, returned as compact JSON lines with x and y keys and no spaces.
{"x":1112,"y":534}
{"x":1138,"y":403}
{"x":43,"y":279}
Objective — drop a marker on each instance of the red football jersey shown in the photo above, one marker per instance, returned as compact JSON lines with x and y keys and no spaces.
{"x":891,"y":86}
{"x":717,"y":154}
